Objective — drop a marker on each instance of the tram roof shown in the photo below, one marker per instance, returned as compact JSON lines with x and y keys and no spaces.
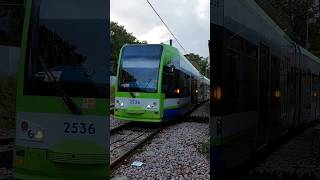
{"x":185,"y":64}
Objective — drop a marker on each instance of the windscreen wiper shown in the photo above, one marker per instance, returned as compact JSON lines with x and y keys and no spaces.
{"x":35,"y":54}
{"x":128,"y":88}
{"x":131,"y":93}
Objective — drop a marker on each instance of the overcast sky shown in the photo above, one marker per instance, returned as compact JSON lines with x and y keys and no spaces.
{"x":188,"y":19}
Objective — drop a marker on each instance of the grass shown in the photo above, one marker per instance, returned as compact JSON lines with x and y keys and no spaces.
{"x":205,"y":148}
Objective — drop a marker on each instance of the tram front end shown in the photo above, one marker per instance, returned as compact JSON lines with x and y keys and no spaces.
{"x":61,"y":127}
{"x":138,"y":94}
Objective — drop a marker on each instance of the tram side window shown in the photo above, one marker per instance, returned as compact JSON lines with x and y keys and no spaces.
{"x":314,"y":87}
{"x":251,"y":51}
{"x":230,"y":85}
{"x":234,"y":42}
{"x":188,"y":85}
{"x":275,"y":80}
{"x":250,"y":64}
{"x":240,"y":80}
{"x":170,"y":82}
{"x":246,"y":83}
{"x":314,"y":84}
{"x":292,"y":85}
{"x":183,"y":87}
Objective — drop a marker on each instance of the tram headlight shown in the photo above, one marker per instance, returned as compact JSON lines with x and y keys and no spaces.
{"x":39,"y":135}
{"x":119,"y":103}
{"x":36,"y":134}
{"x":31,"y":131}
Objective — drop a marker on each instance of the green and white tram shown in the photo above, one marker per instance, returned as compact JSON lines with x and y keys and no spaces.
{"x":61,"y":126}
{"x":155,"y":83}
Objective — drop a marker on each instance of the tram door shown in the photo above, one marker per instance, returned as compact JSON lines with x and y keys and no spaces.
{"x":263,"y":95}
{"x":193,"y":91}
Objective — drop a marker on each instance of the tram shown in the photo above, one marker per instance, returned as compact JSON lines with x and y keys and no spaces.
{"x":62,"y":91}
{"x":265,"y":84}
{"x":156,"y":83}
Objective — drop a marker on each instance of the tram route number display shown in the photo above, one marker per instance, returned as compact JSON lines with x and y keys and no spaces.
{"x":76,"y":128}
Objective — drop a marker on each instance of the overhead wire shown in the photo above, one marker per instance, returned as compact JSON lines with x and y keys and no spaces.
{"x":155,"y":11}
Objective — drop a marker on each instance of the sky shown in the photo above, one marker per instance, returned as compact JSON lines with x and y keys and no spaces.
{"x":189,"y":20}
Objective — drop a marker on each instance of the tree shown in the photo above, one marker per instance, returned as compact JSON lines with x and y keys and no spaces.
{"x":118,"y":37}
{"x":11,"y":20}
{"x":292,"y":16}
{"x":194,"y":59}
{"x":200,"y":63}
{"x":56,"y":51}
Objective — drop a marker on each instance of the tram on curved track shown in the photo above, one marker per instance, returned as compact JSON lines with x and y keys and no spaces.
{"x":156,"y":83}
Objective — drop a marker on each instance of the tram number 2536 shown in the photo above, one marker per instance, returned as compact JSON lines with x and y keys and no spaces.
{"x":133,"y":101}
{"x":82,"y":128}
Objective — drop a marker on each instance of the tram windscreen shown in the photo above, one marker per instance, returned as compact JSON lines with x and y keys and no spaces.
{"x":139,"y":68}
{"x":69,"y":41}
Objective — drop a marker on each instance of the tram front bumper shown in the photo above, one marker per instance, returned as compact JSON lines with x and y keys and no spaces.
{"x":143,"y":116}
{"x":34,"y":165}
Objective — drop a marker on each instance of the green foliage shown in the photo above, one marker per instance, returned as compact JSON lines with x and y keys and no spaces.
{"x":58,"y":51}
{"x":11,"y":33}
{"x":205,"y":149}
{"x":292,"y":16}
{"x":199,"y":62}
{"x":118,"y":37}
{"x":314,"y":40}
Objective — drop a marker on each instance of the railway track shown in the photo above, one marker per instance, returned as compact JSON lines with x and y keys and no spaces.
{"x":117,"y":128}
{"x":127,"y":138}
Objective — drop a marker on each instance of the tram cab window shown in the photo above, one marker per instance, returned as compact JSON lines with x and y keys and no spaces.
{"x":170,"y":82}
{"x":139,"y":68}
{"x":67,"y":45}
